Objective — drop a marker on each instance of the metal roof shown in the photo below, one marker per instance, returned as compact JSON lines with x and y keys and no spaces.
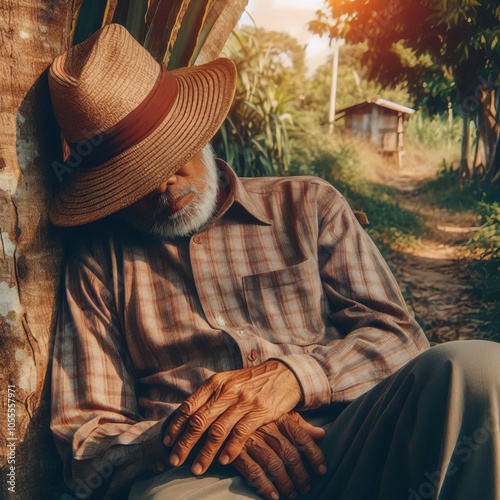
{"x":382,"y":103}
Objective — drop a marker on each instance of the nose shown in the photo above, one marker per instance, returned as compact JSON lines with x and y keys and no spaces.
{"x":171,"y":180}
{"x":163,"y":187}
{"x":159,"y":190}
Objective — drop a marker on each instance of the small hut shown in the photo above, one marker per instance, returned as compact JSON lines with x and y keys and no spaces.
{"x":381,"y":121}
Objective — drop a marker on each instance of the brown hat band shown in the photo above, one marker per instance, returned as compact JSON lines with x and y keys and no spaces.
{"x":133,"y":128}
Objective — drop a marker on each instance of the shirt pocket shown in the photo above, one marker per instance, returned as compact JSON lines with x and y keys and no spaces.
{"x":284,"y":305}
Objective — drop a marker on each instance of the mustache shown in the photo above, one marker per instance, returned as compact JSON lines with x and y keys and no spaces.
{"x":168,"y":199}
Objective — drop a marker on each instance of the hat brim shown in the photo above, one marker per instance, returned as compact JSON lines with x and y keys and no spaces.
{"x":205,"y":95}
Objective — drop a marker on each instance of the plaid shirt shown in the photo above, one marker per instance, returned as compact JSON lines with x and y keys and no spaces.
{"x":284,"y":272}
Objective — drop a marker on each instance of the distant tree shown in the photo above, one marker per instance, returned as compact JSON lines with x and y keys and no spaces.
{"x":271,"y":73}
{"x":354,"y":84}
{"x":444,"y":50}
{"x":278,"y":57}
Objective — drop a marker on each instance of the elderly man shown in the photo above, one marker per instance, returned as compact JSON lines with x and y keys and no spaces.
{"x":236,"y":338}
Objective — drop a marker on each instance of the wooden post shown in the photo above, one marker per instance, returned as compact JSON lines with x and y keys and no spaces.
{"x":400,"y":140}
{"x":336,"y":44}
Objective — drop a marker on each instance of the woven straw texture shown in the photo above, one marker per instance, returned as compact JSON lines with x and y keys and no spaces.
{"x":96,"y":84}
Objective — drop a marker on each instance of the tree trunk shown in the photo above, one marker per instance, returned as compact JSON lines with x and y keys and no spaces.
{"x":32,"y":33}
{"x":487,"y":130}
{"x":464,"y":169}
{"x":493,"y":170}
{"x":478,"y":168}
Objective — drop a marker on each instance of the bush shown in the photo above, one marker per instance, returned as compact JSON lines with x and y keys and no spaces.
{"x":433,"y":131}
{"x":479,"y":197}
{"x":254,"y":139}
{"x":447,"y":191}
{"x":484,"y":277}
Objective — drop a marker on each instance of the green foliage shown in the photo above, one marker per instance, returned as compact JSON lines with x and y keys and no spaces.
{"x":442,"y":50}
{"x":420,"y":41}
{"x":173,"y":31}
{"x":338,"y":161}
{"x":484,"y":277}
{"x":354,"y":84}
{"x":487,"y":237}
{"x":255,"y":137}
{"x":189,"y":35}
{"x":89,"y":19}
{"x":445,"y":191}
{"x":432,"y":131}
{"x":481,"y":198}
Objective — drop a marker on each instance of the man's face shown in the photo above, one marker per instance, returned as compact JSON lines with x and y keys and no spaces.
{"x":183,"y":204}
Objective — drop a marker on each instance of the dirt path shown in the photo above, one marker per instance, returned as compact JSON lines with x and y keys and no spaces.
{"x":432,"y":272}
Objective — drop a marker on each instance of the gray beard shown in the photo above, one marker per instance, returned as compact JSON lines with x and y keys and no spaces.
{"x":191,"y":218}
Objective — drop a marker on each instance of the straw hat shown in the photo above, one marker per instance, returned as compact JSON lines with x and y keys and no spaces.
{"x":130,"y":123}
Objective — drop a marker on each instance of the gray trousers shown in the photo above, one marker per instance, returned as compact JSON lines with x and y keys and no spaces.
{"x":430,"y":430}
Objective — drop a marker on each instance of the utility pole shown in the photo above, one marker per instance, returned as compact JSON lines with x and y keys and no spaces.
{"x":336,"y":44}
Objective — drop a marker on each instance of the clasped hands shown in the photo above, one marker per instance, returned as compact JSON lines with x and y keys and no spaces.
{"x":248,"y":413}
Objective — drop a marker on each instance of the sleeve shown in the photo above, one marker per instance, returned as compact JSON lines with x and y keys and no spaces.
{"x":99,"y":432}
{"x":376,"y":334}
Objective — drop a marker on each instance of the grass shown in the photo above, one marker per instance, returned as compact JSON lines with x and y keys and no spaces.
{"x":446,"y":191}
{"x":344,"y":163}
{"x":484,"y":277}
{"x":481,"y":198}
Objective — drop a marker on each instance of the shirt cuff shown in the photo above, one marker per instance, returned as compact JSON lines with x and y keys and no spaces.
{"x":313,"y":381}
{"x":153,"y":451}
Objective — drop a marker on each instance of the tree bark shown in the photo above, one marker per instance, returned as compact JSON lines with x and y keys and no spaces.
{"x":464,"y":169}
{"x":479,"y":154}
{"x":493,"y":166}
{"x":32,"y":33}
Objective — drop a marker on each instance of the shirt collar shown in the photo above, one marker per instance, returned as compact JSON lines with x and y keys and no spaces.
{"x":238,"y":194}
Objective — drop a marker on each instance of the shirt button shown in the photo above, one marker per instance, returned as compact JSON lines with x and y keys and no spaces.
{"x":197,"y":239}
{"x":160,"y":466}
{"x":253,"y":355}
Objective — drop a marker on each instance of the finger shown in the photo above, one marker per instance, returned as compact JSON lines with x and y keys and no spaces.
{"x":316,"y":433}
{"x":259,"y":449}
{"x":186,"y":409}
{"x":242,"y":430}
{"x":303,"y":442}
{"x":167,"y":440}
{"x":255,"y":476}
{"x":216,"y":435}
{"x":193,"y":431}
{"x":289,"y":456}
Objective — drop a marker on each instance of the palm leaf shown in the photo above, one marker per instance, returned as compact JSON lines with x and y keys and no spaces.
{"x":221,"y":30}
{"x":162,"y":25}
{"x":216,"y":9}
{"x":121,"y":11}
{"x":88,"y":19}
{"x":109,"y":11}
{"x":136,"y":19}
{"x":189,"y":33}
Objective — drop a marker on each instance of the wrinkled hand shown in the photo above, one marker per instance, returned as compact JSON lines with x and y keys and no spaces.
{"x":230,"y":404}
{"x":274,"y":454}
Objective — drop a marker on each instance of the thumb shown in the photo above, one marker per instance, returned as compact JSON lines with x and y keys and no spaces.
{"x":315,"y":432}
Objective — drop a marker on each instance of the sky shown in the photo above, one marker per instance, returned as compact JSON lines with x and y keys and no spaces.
{"x":291,"y":16}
